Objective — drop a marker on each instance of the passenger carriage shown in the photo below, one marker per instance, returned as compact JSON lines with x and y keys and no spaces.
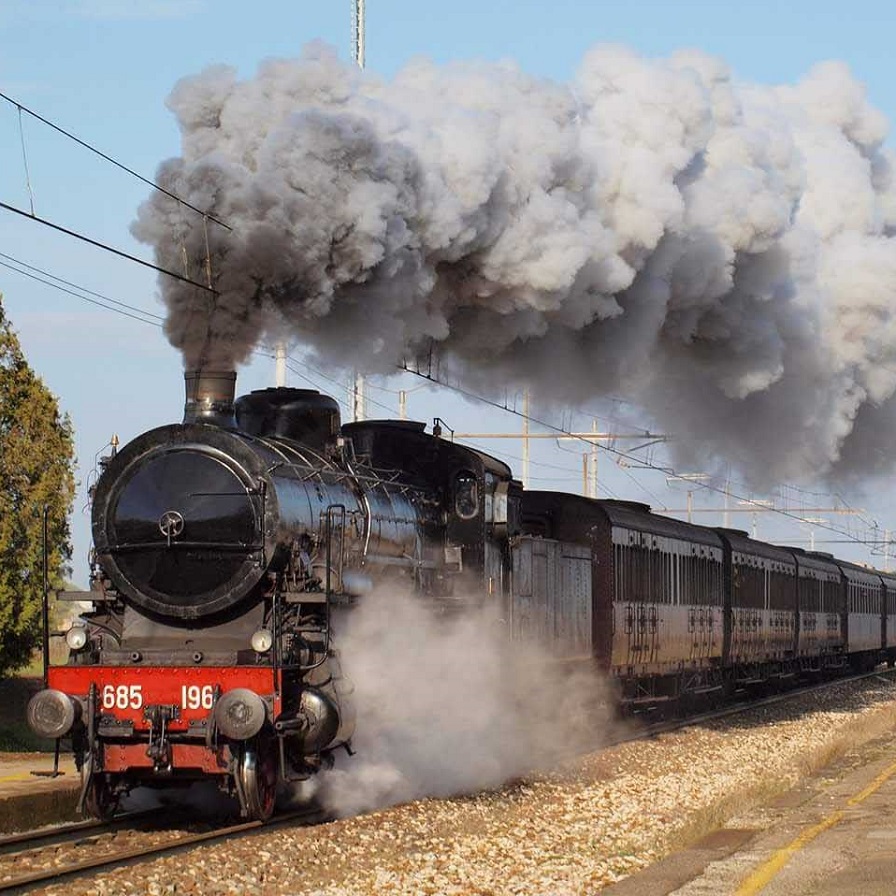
{"x":656,"y":593}
{"x":761,"y":587}
{"x":889,"y":621}
{"x":821,"y":643}
{"x":865,"y":598}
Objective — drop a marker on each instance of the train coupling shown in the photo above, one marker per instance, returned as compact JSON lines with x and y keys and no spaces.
{"x":159,"y":749}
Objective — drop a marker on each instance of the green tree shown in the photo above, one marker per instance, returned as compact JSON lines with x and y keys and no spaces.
{"x":36,"y":470}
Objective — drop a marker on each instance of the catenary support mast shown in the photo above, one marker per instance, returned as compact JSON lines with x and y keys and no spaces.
{"x":357,"y":393}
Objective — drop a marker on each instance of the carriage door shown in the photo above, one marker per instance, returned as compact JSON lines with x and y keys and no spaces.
{"x":640,"y":615}
{"x":697,"y":621}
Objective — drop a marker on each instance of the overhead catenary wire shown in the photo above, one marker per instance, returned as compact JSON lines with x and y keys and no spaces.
{"x":81,"y":291}
{"x":657,"y":501}
{"x":291,"y":366}
{"x":206,"y":215}
{"x":669,"y":471}
{"x":107,"y":248}
{"x":99,"y":299}
{"x":79,"y":295}
{"x":25,"y":162}
{"x":151,"y":183}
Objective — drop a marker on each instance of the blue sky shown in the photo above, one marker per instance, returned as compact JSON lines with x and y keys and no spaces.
{"x":103,"y":68}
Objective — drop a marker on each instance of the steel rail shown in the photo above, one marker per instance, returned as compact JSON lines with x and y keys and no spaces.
{"x":58,"y":834}
{"x":740,"y":707}
{"x":133,"y":854}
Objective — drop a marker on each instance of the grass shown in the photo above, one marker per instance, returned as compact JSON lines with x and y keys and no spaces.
{"x":15,"y":692}
{"x":15,"y":735}
{"x":34,"y":669}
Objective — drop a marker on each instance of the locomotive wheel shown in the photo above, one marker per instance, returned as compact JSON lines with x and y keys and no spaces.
{"x":257,"y":772}
{"x":100,"y":801}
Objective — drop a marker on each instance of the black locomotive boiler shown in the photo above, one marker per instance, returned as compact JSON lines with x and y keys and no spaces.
{"x":226,"y":546}
{"x":229,"y":546}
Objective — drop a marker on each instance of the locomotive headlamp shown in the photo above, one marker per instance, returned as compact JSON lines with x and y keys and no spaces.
{"x":240,"y":713}
{"x":76,"y":636}
{"x":262,"y":640}
{"x":51,"y":713}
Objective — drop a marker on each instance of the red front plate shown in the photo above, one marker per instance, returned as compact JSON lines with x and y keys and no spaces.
{"x":123,"y":692}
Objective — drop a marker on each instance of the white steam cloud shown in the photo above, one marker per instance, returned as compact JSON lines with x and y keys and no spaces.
{"x":448,"y":705}
{"x":724,"y":253}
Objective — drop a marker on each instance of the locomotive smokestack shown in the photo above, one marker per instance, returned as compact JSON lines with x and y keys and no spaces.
{"x":209,"y":397}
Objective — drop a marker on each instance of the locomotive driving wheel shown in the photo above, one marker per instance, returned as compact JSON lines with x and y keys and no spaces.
{"x":257,"y":778}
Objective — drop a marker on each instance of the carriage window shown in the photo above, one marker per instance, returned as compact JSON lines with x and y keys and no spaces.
{"x":466,"y":496}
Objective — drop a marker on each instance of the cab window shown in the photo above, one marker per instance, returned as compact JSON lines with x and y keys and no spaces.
{"x":466,"y":496}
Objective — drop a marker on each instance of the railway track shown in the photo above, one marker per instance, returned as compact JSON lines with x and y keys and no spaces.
{"x":668,"y":725}
{"x":51,"y":855}
{"x":66,"y":833}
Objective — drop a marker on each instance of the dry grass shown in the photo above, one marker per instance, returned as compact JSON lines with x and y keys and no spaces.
{"x":876,"y":724}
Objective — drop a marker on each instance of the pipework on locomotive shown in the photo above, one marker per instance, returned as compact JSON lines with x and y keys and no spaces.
{"x":229,"y":549}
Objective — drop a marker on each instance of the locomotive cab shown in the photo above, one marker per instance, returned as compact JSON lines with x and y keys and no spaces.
{"x":479,"y":498}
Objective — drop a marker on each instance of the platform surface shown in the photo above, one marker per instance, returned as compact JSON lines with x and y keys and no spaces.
{"x":834,"y":834}
{"x":28,"y":801}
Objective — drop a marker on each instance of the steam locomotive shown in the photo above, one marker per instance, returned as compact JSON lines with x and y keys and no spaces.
{"x":228,"y":549}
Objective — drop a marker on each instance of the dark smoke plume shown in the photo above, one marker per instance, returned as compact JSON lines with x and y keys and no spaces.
{"x":723,"y":253}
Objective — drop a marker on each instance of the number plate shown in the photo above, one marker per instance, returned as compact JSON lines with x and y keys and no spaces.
{"x":123,"y":693}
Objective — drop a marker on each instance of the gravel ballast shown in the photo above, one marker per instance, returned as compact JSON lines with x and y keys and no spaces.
{"x":571,"y":831}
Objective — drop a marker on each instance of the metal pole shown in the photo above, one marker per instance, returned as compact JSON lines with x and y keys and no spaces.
{"x":46,"y":601}
{"x":358,"y":410}
{"x":358,"y":398}
{"x":526,"y":438}
{"x":358,"y":47}
{"x":402,"y":405}
{"x":594,"y":429}
{"x":280,"y":365}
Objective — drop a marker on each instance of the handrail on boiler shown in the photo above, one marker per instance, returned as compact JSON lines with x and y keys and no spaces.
{"x":331,"y":510}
